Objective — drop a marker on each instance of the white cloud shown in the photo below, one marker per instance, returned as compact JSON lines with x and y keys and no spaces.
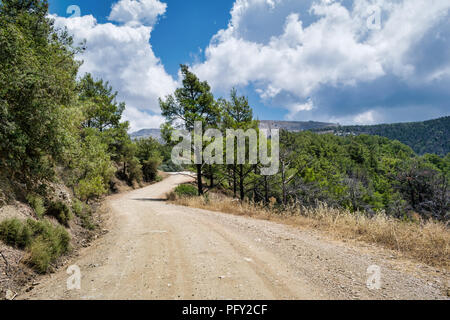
{"x":368,"y":117}
{"x":295,"y":108}
{"x":142,"y":120}
{"x":365,"y":118}
{"x":327,"y":45}
{"x":123,"y":56}
{"x":137,"y":12}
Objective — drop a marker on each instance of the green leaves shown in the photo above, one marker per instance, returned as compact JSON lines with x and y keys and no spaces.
{"x":37,"y":78}
{"x":192,"y":102}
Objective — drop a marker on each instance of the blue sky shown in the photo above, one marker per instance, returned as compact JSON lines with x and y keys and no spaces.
{"x":185,"y":28}
{"x":349,"y":61}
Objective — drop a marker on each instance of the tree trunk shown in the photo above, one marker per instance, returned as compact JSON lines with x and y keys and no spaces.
{"x":283,"y":183}
{"x":241,"y":181}
{"x":266,"y":189}
{"x":255,"y":185}
{"x":211,"y":176}
{"x":199,"y":179}
{"x":234,"y":181}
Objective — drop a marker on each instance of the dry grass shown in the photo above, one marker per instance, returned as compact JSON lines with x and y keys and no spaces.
{"x":425,"y":241}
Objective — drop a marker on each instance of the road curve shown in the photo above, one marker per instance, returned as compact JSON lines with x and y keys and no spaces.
{"x":156,"y":250}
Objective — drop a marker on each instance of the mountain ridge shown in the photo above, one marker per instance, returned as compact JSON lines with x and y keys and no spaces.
{"x":430,"y":136}
{"x":295,"y":126}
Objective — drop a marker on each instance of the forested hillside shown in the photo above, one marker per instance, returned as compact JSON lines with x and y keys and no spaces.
{"x":431,"y":136}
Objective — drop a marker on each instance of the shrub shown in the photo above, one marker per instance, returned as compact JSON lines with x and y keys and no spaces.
{"x":37,"y":203}
{"x":90,"y":188}
{"x":134,"y":170}
{"x":169,"y":166}
{"x":49,"y":243}
{"x":87,"y":222}
{"x":77,"y":207}
{"x":60,"y":211}
{"x":44,"y":241}
{"x":84,"y":213}
{"x":15,"y":233}
{"x":186,"y":190}
{"x":40,"y":255}
{"x":150,"y":169}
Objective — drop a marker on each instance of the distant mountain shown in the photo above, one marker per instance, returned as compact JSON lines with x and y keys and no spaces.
{"x":432,"y":136}
{"x":294,"y":126}
{"x":147,"y":133}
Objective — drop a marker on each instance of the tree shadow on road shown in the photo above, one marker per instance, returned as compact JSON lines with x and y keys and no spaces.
{"x":150,"y":199}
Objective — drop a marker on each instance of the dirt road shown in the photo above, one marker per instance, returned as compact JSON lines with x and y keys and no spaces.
{"x":155,"y":250}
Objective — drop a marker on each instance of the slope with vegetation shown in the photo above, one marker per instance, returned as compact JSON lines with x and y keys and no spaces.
{"x":63,"y":143}
{"x":432,"y":136}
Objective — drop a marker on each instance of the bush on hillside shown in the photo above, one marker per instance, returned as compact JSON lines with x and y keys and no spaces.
{"x":43,"y":241}
{"x":15,"y":233}
{"x":37,"y":203}
{"x":84,"y":213}
{"x":186,"y":190}
{"x":60,"y":211}
{"x":150,"y":169}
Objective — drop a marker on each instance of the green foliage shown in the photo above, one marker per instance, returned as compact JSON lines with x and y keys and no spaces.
{"x":238,"y":115}
{"x":88,"y":189}
{"x":77,"y":207}
{"x":84,"y":213}
{"x":37,"y":81}
{"x":190,"y":103}
{"x":169,"y":166}
{"x":150,"y":148}
{"x":193,"y":102}
{"x":13,"y":232}
{"x":44,"y":241}
{"x":100,"y":106}
{"x":49,"y":242}
{"x":150,"y":169}
{"x":423,"y":137}
{"x":91,"y":166}
{"x":149,"y":155}
{"x":361,"y":173}
{"x":60,"y":211}
{"x":87,"y":221}
{"x":48,"y":119}
{"x":37,"y":203}
{"x":132,"y":168}
{"x":186,"y":190}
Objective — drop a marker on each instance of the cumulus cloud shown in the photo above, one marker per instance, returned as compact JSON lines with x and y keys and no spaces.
{"x":122,"y":55}
{"x":291,"y":51}
{"x":137,"y":12}
{"x":141,"y":119}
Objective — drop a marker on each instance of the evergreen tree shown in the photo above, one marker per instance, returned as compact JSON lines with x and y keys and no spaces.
{"x":191,"y":103}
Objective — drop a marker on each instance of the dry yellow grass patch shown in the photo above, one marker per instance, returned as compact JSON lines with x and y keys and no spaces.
{"x":426,"y":241}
